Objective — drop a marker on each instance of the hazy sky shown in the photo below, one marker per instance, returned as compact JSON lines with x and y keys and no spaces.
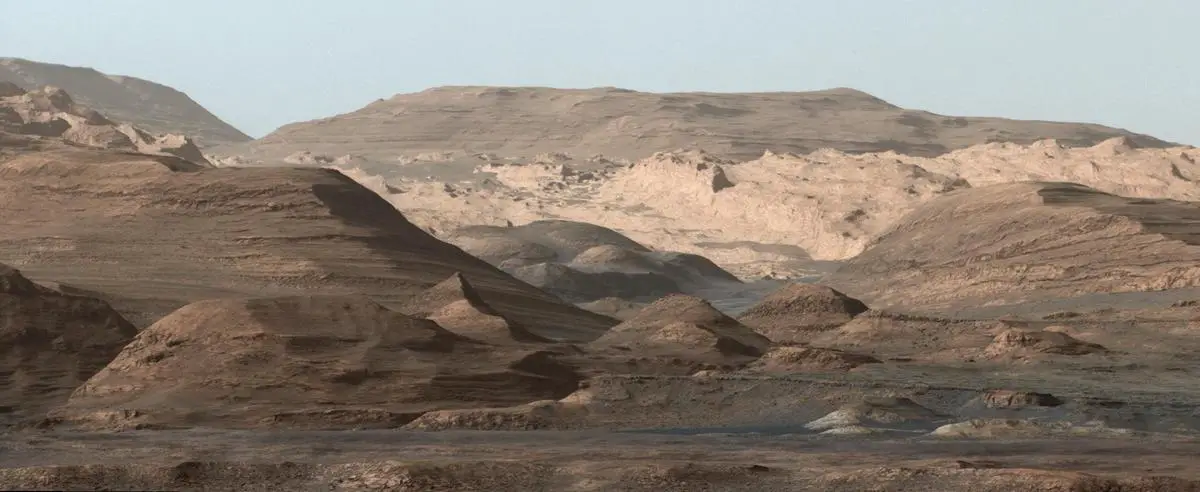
{"x":262,"y":63}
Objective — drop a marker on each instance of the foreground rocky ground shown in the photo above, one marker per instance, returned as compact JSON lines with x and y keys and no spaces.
{"x":571,"y":461}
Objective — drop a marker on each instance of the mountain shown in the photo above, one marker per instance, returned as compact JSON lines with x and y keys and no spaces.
{"x":149,"y":105}
{"x":618,"y":123}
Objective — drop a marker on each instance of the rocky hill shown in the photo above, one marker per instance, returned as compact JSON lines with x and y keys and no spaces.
{"x":149,"y":105}
{"x":618,"y":123}
{"x":1010,"y":243}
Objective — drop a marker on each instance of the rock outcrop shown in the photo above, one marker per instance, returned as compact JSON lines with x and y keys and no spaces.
{"x":1009,"y":399}
{"x":455,"y":305}
{"x":922,"y":338}
{"x":876,"y":414}
{"x":51,"y":112}
{"x":149,"y":105}
{"x":1025,"y":343}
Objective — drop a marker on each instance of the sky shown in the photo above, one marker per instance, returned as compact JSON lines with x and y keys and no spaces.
{"x":259,"y":64}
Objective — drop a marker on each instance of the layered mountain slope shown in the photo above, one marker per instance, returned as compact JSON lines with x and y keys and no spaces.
{"x":155,"y":233}
{"x":1013,"y":242}
{"x":152,"y":106}
{"x":524,"y":121}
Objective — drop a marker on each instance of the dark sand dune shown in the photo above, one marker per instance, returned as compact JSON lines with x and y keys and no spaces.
{"x":457,"y":306}
{"x":575,"y":285}
{"x":564,"y":239}
{"x":583,"y":262}
{"x":621,"y":309}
